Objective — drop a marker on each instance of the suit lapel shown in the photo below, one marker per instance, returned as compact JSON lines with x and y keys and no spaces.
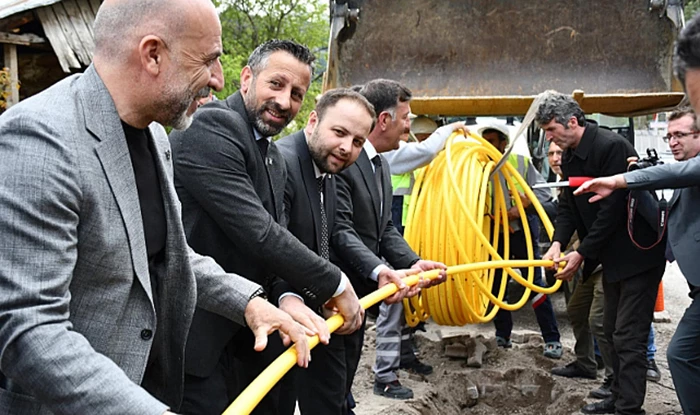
{"x":274,"y":166}
{"x":175,"y":237}
{"x":309,"y":178}
{"x":674,"y":198}
{"x":103,"y":121}
{"x":365,"y":166}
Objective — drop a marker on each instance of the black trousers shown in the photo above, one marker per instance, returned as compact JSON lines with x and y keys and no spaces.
{"x":353,"y":352}
{"x":629,"y":311}
{"x":323,"y":387}
{"x":684,"y":359}
{"x":239,"y":365}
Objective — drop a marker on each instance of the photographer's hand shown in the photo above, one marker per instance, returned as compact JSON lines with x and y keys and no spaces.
{"x":602,"y":187}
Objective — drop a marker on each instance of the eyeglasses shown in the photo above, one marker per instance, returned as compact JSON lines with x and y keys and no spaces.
{"x":678,"y":135}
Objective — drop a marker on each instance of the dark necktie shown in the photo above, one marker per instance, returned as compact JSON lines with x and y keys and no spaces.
{"x":323,"y":248}
{"x":377,"y":161}
{"x":263,"y":144}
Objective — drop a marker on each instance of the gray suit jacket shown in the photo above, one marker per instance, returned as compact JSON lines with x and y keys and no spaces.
{"x":362,"y":235}
{"x":77,"y":314}
{"x":683,"y":220}
{"x":233,"y":210}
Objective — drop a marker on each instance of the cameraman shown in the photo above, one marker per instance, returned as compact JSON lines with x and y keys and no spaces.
{"x":684,"y":141}
{"x":630,"y":275}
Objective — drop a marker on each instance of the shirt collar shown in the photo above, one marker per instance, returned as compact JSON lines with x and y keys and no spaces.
{"x":259,"y":136}
{"x":586,"y":144}
{"x":369,"y":149}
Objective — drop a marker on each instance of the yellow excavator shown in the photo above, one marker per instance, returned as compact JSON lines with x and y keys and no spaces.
{"x":491,"y":57}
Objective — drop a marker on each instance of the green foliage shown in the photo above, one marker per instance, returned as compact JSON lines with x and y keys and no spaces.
{"x":691,"y":8}
{"x":248,"y":23}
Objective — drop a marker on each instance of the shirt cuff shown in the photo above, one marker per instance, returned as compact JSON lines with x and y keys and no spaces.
{"x":341,"y":286}
{"x":374,"y":276}
{"x":288,"y":294}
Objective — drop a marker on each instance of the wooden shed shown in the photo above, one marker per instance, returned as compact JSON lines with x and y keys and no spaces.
{"x":44,"y":41}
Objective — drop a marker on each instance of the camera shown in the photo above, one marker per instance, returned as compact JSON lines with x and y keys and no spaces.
{"x":652,"y":159}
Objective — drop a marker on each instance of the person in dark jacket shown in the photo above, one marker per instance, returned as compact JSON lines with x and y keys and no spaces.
{"x":630,"y":275}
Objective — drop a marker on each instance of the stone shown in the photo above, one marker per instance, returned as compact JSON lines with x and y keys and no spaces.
{"x":476,"y":357}
{"x":522,"y":336}
{"x":457,"y":350}
{"x":490,"y":344}
{"x":529,"y":390}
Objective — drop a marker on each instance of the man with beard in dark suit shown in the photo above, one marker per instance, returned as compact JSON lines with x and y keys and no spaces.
{"x":330,"y":142}
{"x":230,"y":178}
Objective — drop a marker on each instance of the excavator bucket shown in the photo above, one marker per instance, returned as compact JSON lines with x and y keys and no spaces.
{"x":491,"y":57}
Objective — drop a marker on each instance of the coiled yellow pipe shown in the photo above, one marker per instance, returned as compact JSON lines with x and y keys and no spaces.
{"x":457,"y":216}
{"x":447,"y":222}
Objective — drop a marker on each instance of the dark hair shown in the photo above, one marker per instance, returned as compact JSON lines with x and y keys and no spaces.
{"x":687,"y":54}
{"x":681,"y":112}
{"x":559,"y":107}
{"x":258,"y":59}
{"x":385,"y":95}
{"x":500,"y":134}
{"x":332,"y":97}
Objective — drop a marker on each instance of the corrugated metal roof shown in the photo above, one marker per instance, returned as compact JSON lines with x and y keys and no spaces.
{"x":10,"y":7}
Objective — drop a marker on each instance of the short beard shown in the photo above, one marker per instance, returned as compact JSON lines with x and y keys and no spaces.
{"x":255,"y":114}
{"x":319,"y":159}
{"x":174,"y":105}
{"x":182,"y":122}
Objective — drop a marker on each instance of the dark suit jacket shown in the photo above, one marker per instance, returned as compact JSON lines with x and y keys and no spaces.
{"x":232,"y":203}
{"x":302,"y":201}
{"x":602,"y":226}
{"x":683,"y":220}
{"x":361,"y":236}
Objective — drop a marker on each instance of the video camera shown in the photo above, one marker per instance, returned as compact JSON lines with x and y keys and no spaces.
{"x":652,"y":159}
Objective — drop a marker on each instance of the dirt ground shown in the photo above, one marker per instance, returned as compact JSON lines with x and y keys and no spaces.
{"x":513,"y":381}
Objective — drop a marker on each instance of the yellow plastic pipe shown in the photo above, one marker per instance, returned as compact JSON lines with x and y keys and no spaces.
{"x":456,"y":216}
{"x":253,"y":394}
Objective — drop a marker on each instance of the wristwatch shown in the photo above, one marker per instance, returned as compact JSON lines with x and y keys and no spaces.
{"x":260,"y":292}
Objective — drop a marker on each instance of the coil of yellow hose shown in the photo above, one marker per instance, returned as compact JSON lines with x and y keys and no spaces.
{"x":457,"y":215}
{"x":452,"y":197}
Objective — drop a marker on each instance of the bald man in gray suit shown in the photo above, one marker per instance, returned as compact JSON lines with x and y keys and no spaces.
{"x":98,"y":284}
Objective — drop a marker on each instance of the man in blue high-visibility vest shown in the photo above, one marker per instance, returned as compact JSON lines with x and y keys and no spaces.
{"x":498,"y":135}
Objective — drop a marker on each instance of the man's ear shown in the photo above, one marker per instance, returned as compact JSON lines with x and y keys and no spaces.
{"x":151,"y":53}
{"x":246,"y":79}
{"x":312,"y":124}
{"x":383,"y":120}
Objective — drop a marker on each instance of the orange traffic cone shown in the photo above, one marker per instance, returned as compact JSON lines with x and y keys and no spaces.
{"x":660,"y":299}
